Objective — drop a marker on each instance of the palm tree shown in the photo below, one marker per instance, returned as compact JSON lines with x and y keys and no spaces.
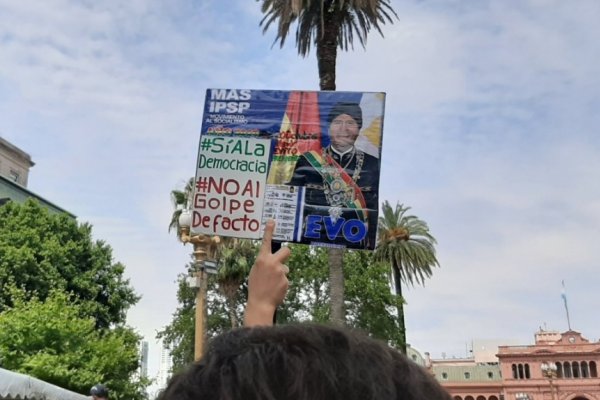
{"x":328,"y":24}
{"x":236,"y":259}
{"x":405,"y":242}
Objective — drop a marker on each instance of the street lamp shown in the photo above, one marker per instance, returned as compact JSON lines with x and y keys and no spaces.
{"x":203,"y":250}
{"x":549,"y":371}
{"x":522,"y":396}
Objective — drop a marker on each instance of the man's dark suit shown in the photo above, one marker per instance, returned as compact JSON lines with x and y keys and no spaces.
{"x":318,"y":202}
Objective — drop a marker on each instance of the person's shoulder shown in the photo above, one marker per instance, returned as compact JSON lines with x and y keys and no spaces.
{"x":311,"y":152}
{"x":302,"y":159}
{"x":305,"y":157}
{"x":367,"y":157}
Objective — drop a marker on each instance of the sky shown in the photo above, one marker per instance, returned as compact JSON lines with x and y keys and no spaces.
{"x":491,"y":135}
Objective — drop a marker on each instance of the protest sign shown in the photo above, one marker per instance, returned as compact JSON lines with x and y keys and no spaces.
{"x":230,"y":185}
{"x":310,"y":160}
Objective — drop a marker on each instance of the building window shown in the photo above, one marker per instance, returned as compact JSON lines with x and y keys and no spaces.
{"x":467,"y":375}
{"x":521,"y":371}
{"x":567,"y":370}
{"x":593,"y":371}
{"x":559,"y":370}
{"x":585,"y":372}
{"x":444,"y":375}
{"x":490,"y":374}
{"x":576,"y":373}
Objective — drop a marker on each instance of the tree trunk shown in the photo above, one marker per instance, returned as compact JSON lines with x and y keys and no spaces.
{"x":326,"y":58}
{"x":327,"y":51}
{"x":337,"y":314}
{"x":232,"y":315}
{"x":398,"y":289}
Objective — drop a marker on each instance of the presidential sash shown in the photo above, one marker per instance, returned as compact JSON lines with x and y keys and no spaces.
{"x":341,"y":189}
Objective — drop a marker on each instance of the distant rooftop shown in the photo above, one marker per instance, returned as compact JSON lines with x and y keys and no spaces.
{"x":10,"y":190}
{"x":14,"y":171}
{"x":14,"y":163}
{"x":17,"y":151}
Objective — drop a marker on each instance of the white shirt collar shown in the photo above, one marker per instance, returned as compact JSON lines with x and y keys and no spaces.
{"x":341,"y":154}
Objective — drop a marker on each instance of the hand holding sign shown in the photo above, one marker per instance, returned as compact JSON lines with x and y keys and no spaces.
{"x":267,"y":283}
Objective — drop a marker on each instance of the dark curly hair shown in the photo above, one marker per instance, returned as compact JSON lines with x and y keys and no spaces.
{"x":302,"y":362}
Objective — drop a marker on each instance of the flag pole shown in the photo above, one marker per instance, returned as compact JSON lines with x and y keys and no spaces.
{"x":564,"y":297}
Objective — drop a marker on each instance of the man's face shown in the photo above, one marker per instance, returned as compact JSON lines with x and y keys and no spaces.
{"x":343,"y":132}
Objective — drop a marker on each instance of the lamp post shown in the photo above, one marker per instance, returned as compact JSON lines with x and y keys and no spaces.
{"x":549,"y":371}
{"x":203,"y":246}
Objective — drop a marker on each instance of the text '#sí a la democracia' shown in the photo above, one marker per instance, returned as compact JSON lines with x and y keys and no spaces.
{"x":216,"y":149}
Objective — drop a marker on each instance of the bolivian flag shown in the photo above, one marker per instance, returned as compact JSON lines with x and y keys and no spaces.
{"x":300,"y":132}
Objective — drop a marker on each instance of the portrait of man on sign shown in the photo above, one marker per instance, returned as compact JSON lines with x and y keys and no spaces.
{"x":341,"y":184}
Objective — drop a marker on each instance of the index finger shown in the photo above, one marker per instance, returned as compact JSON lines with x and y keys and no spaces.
{"x":267,"y":236}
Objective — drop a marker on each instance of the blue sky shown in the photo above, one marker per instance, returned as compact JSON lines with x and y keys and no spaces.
{"x":491,"y":135}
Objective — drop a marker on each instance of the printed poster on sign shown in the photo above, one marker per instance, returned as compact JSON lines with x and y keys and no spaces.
{"x":310,"y":160}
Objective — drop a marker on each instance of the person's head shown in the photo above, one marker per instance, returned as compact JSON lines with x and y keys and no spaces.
{"x":345,"y":121}
{"x":297,"y":362}
{"x":99,"y":392}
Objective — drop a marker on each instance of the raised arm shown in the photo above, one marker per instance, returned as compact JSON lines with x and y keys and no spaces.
{"x":267,"y":283}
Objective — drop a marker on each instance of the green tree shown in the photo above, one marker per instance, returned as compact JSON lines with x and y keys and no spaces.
{"x":52,"y":341}
{"x":40,"y":251}
{"x":236,"y":259}
{"x":370,"y":304}
{"x":406,"y":244}
{"x":226,"y":296}
{"x":328,"y":25}
{"x":308,"y":294}
{"x":178,"y":335}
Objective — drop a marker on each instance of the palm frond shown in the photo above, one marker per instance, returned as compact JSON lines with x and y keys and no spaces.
{"x":352,"y":19}
{"x":406,"y":243}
